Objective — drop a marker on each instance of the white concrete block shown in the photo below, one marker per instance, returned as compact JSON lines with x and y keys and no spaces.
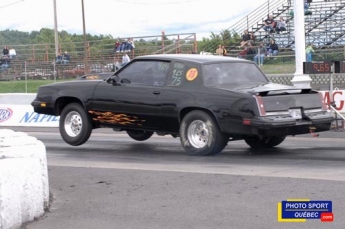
{"x":20,"y":145}
{"x":20,"y":191}
{"x":24,"y":186}
{"x":10,"y":203}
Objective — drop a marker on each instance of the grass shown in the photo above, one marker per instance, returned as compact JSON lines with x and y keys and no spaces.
{"x":278,"y":69}
{"x":21,"y":87}
{"x":33,"y":85}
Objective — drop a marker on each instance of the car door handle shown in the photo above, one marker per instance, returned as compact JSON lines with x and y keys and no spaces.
{"x":156,"y":92}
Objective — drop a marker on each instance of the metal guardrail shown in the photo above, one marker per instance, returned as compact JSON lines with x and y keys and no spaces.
{"x":36,"y":61}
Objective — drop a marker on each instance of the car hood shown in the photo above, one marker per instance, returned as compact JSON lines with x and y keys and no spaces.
{"x":266,"y":88}
{"x":74,"y":83}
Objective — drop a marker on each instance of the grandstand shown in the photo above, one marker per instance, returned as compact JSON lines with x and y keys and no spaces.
{"x":324,"y":27}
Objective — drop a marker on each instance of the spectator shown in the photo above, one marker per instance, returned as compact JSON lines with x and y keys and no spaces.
{"x":219,"y":50}
{"x":245,"y":38}
{"x":281,"y":25}
{"x":130,"y":45}
{"x":273,"y":49}
{"x":116,"y":46}
{"x":58,"y":58}
{"x":65,"y":58}
{"x":125,"y":59}
{"x":4,"y":62}
{"x":306,"y":5}
{"x":261,"y":53}
{"x":269,"y":24}
{"x":12,"y":53}
{"x":225,"y":53}
{"x":250,"y":49}
{"x":252,"y":37}
{"x":5,"y":52}
{"x":242,"y":54}
{"x":123,"y":46}
{"x":309,"y":52}
{"x":3,"y":65}
{"x":247,"y":51}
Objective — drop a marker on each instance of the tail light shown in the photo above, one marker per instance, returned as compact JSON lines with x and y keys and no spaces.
{"x":260,"y":105}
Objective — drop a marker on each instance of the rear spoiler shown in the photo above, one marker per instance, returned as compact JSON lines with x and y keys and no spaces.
{"x":283,"y":91}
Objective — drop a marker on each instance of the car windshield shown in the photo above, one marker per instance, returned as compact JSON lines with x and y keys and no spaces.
{"x":229,"y":74}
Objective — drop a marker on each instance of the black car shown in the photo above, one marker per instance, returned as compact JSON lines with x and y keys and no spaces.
{"x":205,"y":100}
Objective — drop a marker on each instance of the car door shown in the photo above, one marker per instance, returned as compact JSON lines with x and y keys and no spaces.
{"x":179,"y":93}
{"x":135,"y":101}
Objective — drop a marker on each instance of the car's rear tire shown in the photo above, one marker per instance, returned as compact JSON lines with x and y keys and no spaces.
{"x":75,"y":124}
{"x":264,"y":142}
{"x":139,"y":135}
{"x":200,"y":134}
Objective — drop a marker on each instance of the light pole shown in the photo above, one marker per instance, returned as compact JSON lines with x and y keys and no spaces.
{"x":56,"y":31}
{"x":85,"y":44}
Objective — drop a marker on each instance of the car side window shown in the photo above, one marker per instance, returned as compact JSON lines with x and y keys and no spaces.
{"x":145,"y":72}
{"x":178,"y":71}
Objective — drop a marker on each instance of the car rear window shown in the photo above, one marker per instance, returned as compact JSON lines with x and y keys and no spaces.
{"x":227,"y":74}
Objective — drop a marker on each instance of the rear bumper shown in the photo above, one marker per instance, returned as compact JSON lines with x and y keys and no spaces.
{"x":292,"y":130}
{"x":289,"y":126}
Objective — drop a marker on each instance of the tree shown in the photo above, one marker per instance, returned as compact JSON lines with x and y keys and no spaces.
{"x":225,"y":37}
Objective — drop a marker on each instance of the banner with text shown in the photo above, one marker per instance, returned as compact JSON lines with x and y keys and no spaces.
{"x":24,"y":115}
{"x":338,"y":97}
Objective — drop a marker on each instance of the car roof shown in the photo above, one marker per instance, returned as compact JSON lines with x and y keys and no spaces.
{"x":193,"y":58}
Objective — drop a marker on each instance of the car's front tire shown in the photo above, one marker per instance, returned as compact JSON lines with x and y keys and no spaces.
{"x":200,"y":134}
{"x":139,"y":135}
{"x":264,"y":142}
{"x":75,"y":124}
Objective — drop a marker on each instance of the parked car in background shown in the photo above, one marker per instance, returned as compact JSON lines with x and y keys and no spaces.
{"x":205,"y":100}
{"x":95,"y":76}
{"x":37,"y":74}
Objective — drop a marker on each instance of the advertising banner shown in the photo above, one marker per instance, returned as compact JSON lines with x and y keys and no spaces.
{"x":24,"y":115}
{"x":338,"y":97}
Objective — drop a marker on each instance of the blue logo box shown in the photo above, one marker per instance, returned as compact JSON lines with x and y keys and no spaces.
{"x":305,"y":209}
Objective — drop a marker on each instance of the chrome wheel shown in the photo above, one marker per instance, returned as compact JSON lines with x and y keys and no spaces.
{"x":198,"y":134}
{"x":73,"y":124}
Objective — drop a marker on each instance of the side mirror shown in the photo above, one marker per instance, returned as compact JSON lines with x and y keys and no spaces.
{"x":114,"y":80}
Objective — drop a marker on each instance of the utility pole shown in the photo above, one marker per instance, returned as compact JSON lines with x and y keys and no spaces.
{"x":86,"y":67}
{"x":56,"y":31}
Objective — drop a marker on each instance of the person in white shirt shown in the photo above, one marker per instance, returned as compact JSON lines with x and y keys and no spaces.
{"x":125,"y":59}
{"x":281,"y":25}
{"x":12,"y":53}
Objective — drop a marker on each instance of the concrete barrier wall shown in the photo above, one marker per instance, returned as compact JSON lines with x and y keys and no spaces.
{"x":24,"y":184}
{"x":15,"y":110}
